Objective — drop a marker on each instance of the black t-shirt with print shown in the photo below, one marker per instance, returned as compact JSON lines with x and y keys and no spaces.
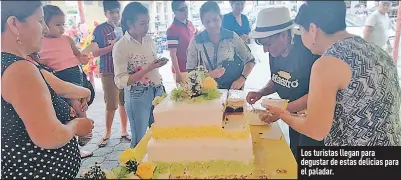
{"x":291,"y":74}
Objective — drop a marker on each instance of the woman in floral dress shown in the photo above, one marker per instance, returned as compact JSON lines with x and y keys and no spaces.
{"x":136,"y":69}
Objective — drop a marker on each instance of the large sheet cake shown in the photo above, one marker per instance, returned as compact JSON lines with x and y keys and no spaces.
{"x":186,"y":133}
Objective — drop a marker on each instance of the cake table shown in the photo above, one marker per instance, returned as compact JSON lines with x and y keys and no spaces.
{"x":273,"y":158}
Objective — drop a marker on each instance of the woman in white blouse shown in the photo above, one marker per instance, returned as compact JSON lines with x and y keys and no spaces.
{"x":136,"y":69}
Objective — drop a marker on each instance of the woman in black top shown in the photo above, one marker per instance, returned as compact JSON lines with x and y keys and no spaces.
{"x":236,"y":21}
{"x":290,"y":66}
{"x":37,"y":138}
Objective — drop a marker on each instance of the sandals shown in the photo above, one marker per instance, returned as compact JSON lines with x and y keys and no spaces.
{"x":86,"y":154}
{"x":125,"y":138}
{"x":103,"y":143}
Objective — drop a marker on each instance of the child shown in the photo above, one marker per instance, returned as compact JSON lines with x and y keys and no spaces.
{"x":59,"y":51}
{"x":76,"y":105}
{"x":34,"y":58}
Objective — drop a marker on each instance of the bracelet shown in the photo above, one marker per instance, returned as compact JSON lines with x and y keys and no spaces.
{"x":243,"y":76}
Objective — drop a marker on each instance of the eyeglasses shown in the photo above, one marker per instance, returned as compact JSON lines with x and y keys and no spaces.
{"x":183,"y":9}
{"x":268,"y":39}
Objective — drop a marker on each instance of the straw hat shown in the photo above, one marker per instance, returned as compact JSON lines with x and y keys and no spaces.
{"x":271,"y":21}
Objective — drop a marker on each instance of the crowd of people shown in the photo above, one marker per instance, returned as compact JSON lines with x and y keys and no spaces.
{"x":348,"y":85}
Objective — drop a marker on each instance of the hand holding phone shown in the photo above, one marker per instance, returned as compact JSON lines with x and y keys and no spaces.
{"x":162,"y":59}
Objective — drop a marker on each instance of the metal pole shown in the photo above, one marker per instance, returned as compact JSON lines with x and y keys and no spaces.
{"x":397,"y":35}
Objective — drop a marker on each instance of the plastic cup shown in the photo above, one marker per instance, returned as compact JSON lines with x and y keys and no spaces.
{"x":118,"y":31}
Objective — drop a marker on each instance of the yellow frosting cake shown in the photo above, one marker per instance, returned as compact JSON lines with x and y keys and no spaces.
{"x":192,"y":137}
{"x":236,"y":99}
{"x":195,"y":140}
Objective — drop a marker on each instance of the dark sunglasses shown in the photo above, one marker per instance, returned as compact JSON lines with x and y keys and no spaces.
{"x":183,"y":9}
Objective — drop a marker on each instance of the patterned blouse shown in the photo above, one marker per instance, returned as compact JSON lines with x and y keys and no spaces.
{"x":130,"y":56}
{"x":229,"y":46}
{"x":367,"y":111}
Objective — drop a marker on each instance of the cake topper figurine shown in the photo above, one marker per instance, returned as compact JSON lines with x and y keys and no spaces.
{"x":196,"y":87}
{"x":202,"y":72}
{"x":193,"y":86}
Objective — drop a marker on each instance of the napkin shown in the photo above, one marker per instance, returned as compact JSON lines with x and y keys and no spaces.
{"x":273,"y":133}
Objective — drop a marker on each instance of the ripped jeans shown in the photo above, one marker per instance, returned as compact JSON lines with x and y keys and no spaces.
{"x":138,"y":105}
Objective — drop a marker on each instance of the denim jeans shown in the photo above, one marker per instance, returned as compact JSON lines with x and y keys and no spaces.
{"x":139,"y":108}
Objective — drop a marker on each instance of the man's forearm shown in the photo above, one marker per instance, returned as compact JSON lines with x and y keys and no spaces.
{"x":298,"y":105}
{"x":248,"y":68}
{"x":268,"y":89}
{"x":366,"y":36}
{"x":102,"y":51}
{"x":366,"y":33}
{"x":174,"y":61}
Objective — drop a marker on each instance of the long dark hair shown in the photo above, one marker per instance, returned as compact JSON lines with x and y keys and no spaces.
{"x":20,"y":9}
{"x":130,"y":14}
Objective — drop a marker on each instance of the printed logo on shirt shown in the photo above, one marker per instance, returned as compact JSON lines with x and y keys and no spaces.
{"x":283,"y":78}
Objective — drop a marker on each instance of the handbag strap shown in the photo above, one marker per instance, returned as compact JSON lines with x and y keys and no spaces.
{"x":200,"y":58}
{"x":213,"y":66}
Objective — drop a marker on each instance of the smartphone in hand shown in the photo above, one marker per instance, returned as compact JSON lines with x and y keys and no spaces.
{"x":162,"y":59}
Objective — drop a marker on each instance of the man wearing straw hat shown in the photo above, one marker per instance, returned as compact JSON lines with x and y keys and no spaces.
{"x":290,"y":66}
